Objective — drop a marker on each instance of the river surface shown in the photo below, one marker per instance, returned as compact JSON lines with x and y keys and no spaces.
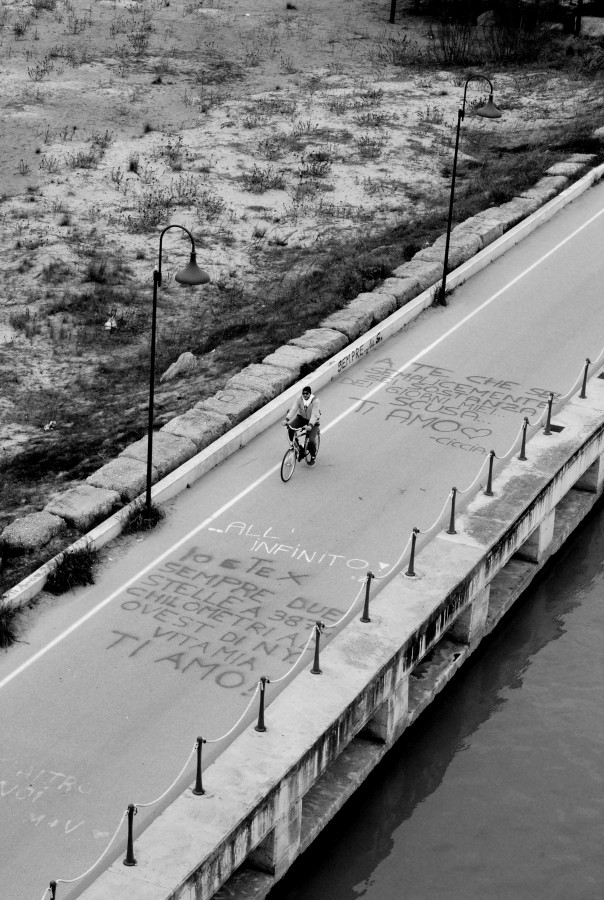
{"x":497,"y":792}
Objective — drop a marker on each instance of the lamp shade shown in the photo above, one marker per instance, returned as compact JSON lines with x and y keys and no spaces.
{"x":489,"y":110}
{"x":192,"y":274}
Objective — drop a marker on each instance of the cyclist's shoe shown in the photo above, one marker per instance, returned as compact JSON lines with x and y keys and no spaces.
{"x":311,"y":460}
{"x":300,"y":454}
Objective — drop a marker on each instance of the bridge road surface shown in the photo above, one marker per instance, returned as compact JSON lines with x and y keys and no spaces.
{"x":101,"y":702}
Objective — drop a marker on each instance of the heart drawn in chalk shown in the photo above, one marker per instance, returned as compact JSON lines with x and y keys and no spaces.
{"x":476,"y":432}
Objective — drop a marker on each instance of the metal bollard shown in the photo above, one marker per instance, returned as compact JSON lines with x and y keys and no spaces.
{"x":410,"y":573}
{"x":261,"y":726}
{"x":489,"y":487}
{"x":198,"y":789}
{"x":53,"y":890}
{"x":548,"y":423}
{"x":130,"y":860}
{"x":316,"y":668}
{"x":365,"y":616}
{"x":451,"y":528}
{"x":523,"y":447}
{"x":583,"y":394}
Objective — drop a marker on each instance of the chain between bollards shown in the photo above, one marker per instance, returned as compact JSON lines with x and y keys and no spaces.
{"x":410,"y":573}
{"x":489,"y":487}
{"x":583,"y":394}
{"x":316,"y":668}
{"x":198,"y":789}
{"x":451,"y":528}
{"x":130,"y":860}
{"x":261,"y":726}
{"x":525,"y":425}
{"x":365,"y":616}
{"x":548,"y":423}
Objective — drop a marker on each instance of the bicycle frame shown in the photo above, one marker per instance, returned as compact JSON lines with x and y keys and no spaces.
{"x":297,"y":450}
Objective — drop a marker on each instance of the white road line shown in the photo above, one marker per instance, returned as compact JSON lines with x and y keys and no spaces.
{"x":251,"y":487}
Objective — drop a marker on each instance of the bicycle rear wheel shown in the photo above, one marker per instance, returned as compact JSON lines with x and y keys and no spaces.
{"x":288,"y":464}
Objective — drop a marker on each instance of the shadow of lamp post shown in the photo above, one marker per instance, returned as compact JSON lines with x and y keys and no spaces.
{"x":190,"y":275}
{"x":488,"y":111}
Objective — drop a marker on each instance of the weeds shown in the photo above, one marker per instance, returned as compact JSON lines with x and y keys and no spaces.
{"x":369,"y":147}
{"x":273,"y":147}
{"x":175,"y":154}
{"x":75,"y":568}
{"x":399,"y":51}
{"x":85,"y":159}
{"x":431,"y":115}
{"x":317,"y":163}
{"x":338,"y":105}
{"x":39,"y":6}
{"x":49,"y":164}
{"x":40,"y":70}
{"x":260,"y":180}
{"x":371,"y":119}
{"x":8,"y":625}
{"x":141,"y":518}
{"x":20,"y":27}
{"x":210,"y":207}
{"x":151,"y":208}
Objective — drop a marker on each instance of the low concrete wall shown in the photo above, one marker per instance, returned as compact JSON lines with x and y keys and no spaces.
{"x":269,"y":794}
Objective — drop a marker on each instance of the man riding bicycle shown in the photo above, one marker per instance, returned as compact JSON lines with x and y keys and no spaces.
{"x":305,"y":412}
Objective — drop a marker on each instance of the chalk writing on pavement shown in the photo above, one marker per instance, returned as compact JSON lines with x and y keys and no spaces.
{"x":32,"y":786}
{"x":222,"y":620}
{"x":457,"y":410}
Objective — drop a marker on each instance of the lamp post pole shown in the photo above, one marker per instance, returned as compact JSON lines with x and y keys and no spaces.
{"x":190,"y":275}
{"x":488,"y":111}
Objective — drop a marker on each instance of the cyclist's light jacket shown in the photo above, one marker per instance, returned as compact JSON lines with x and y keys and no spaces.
{"x":309,"y":410}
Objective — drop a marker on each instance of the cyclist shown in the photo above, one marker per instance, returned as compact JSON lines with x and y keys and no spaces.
{"x":305,"y":412}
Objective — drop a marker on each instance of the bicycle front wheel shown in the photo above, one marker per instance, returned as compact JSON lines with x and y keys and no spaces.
{"x":288,"y":464}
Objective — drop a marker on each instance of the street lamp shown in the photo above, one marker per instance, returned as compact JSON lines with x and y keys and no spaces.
{"x":488,"y":111}
{"x":190,"y":275}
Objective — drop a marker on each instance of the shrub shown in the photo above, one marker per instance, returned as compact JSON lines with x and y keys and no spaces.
{"x":75,"y":568}
{"x":8,"y":631}
{"x":140,"y":518}
{"x":260,"y":180}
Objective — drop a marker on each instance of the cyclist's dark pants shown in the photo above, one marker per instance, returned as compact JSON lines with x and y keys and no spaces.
{"x":299,"y":422}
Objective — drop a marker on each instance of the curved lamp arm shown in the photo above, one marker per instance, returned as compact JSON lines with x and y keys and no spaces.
{"x":161,"y":238}
{"x":489,"y":111}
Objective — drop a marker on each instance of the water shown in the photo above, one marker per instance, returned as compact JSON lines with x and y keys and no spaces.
{"x":497,"y":792}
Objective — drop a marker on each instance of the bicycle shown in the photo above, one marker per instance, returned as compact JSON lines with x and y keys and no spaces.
{"x":297,"y":450}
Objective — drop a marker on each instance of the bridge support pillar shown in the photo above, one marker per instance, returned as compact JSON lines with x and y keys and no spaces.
{"x":592,"y":479}
{"x":281,"y":846}
{"x":469,"y":626}
{"x":536,"y":547}
{"x":390,"y":719}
